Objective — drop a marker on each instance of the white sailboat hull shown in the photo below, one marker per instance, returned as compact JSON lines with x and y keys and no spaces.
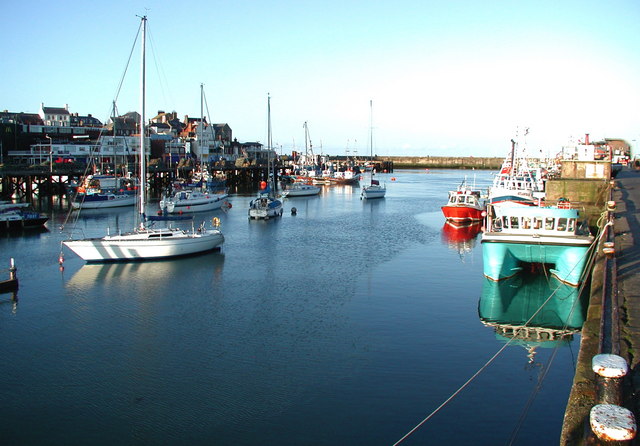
{"x":110,"y":201}
{"x":208,"y":202}
{"x":369,"y":192}
{"x":146,"y":245}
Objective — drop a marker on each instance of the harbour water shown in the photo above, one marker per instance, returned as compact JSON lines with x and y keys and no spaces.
{"x":346,"y":324}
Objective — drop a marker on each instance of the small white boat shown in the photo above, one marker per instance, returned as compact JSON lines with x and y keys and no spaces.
{"x":374,"y":190}
{"x":266,"y":206}
{"x":301,"y":190}
{"x":189,"y":200}
{"x":100,"y":200}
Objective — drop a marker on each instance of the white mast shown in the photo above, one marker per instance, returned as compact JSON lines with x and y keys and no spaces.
{"x":143,"y":169}
{"x":201,"y":126}
{"x":371,"y":129}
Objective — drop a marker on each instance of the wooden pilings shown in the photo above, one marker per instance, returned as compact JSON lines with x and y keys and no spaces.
{"x":10,"y":285}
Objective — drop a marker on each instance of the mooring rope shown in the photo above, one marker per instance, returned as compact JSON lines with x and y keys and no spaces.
{"x":590,"y":251}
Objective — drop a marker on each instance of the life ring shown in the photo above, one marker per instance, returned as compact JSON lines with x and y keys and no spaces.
{"x":215,"y":221}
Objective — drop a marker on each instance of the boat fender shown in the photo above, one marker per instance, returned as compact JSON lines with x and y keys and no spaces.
{"x":227,"y":204}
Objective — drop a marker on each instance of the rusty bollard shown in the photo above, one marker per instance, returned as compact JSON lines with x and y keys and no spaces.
{"x":609,"y":421}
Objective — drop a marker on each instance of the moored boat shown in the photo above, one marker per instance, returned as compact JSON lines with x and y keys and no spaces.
{"x":538,"y":235}
{"x":20,"y":217}
{"x":266,"y":206}
{"x":144,"y":243}
{"x":100,"y":200}
{"x":465,"y":205}
{"x":373,"y":190}
{"x":189,"y":200}
{"x":301,"y":190}
{"x":515,"y":184}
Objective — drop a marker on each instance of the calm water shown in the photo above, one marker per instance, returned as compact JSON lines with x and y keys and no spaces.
{"x":346,"y":324}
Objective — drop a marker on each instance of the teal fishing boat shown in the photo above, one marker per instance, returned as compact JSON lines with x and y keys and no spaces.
{"x":550,"y":235}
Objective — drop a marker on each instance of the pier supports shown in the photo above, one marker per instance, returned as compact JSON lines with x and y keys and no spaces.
{"x":11,"y":285}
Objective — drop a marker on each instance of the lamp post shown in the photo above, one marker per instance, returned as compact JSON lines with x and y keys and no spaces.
{"x":50,"y":153}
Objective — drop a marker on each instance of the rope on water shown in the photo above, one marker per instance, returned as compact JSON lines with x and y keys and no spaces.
{"x":461,"y":388}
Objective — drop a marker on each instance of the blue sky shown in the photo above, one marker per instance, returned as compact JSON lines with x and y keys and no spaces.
{"x":457,"y":77}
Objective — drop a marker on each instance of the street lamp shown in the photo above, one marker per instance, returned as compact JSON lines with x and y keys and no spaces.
{"x":50,"y":153}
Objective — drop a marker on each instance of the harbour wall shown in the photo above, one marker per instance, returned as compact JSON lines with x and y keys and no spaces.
{"x":443,"y":162}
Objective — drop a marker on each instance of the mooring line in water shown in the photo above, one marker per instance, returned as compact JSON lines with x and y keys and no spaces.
{"x":545,"y":371}
{"x":461,"y":388}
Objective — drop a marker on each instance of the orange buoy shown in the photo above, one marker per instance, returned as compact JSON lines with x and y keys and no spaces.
{"x":263,"y":184}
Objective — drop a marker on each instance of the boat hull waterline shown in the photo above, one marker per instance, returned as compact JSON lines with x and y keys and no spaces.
{"x":146,"y":245}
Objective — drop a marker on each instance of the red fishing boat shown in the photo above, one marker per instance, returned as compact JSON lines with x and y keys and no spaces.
{"x":465,"y":205}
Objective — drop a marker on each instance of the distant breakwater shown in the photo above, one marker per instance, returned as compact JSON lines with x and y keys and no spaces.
{"x":443,"y":162}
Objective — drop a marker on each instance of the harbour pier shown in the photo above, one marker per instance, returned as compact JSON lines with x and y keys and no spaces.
{"x":612,"y":325}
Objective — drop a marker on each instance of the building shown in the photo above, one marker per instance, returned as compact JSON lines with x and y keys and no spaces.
{"x":55,"y":116}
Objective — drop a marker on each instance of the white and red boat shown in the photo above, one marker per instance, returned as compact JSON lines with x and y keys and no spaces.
{"x":465,"y":205}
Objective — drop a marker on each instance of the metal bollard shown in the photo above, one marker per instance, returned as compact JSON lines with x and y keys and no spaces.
{"x":608,"y":420}
{"x":612,"y":423}
{"x":610,"y":371}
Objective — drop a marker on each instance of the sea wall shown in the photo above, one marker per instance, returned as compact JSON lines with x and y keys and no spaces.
{"x":442,"y":162}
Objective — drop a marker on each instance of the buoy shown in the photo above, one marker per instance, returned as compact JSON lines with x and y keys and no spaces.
{"x":215,"y":221}
{"x":263,"y":185}
{"x":294,"y":211}
{"x":61,"y":259}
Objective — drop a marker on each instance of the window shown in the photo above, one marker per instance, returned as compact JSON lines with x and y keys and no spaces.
{"x":514,"y":222}
{"x":526,"y":223}
{"x":549,"y":223}
{"x":562,"y":224}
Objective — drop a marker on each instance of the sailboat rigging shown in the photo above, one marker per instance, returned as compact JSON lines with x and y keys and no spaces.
{"x":145,"y":243}
{"x":266,"y":205}
{"x":373,"y":190}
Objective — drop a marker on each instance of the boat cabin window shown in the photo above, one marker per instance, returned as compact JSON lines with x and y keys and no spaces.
{"x":537,"y":223}
{"x":526,"y":223}
{"x":549,"y":223}
{"x":572,"y":225}
{"x":562,"y":224}
{"x":514,"y":223}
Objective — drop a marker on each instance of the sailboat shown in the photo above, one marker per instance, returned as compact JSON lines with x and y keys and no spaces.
{"x":145,"y":243}
{"x":266,"y":205}
{"x":373,"y":190}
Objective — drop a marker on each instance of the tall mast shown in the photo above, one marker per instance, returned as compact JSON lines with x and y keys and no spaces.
{"x":201,"y":126}
{"x":143,"y":168}
{"x":371,"y":129}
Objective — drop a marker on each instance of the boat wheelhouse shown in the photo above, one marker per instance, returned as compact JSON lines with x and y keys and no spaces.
{"x":538,"y":235}
{"x":465,"y":205}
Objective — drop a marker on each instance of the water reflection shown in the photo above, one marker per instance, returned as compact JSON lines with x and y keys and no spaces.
{"x":158,"y":274}
{"x":511,"y":308}
{"x":461,"y":238}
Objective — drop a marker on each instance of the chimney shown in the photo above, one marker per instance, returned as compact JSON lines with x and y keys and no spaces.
{"x":586,"y":139}
{"x":66,"y":107}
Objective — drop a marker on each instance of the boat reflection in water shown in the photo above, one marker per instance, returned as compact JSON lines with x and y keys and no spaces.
{"x":160,"y":275}
{"x":461,"y":237}
{"x":511,"y":308}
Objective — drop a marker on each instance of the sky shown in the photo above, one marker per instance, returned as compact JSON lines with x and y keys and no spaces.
{"x":418,"y":77}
